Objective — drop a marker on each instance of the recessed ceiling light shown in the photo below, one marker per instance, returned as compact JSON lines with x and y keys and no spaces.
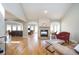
{"x":45,"y":11}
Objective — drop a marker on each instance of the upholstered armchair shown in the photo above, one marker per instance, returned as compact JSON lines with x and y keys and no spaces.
{"x":63,"y":36}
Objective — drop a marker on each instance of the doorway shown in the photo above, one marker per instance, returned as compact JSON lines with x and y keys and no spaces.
{"x":33,"y":29}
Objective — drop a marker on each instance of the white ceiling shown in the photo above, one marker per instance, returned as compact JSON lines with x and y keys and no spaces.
{"x":10,"y":16}
{"x":35,"y":11}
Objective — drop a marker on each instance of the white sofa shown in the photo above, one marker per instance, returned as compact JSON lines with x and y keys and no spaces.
{"x":64,"y":50}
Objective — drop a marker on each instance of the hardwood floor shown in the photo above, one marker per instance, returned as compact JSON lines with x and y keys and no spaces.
{"x":30,"y":46}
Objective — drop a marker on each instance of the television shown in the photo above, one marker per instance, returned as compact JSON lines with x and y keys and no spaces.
{"x":44,"y":33}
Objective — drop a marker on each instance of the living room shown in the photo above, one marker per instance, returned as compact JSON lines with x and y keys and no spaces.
{"x":39,"y":21}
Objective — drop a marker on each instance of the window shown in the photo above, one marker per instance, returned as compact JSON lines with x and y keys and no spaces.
{"x":19,"y":27}
{"x":28,"y":26}
{"x":14,"y":28}
{"x":32,"y":28}
{"x":8,"y":27}
{"x":55,"y":27}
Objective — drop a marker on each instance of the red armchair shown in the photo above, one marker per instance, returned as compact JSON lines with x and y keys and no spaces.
{"x":63,"y":36}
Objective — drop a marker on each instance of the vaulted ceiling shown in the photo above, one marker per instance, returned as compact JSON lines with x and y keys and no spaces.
{"x":54,"y":10}
{"x":10,"y":16}
{"x":35,"y":11}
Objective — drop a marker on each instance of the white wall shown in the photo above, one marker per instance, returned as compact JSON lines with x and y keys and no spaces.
{"x":2,"y":30}
{"x":44,"y":22}
{"x":15,"y":9}
{"x":2,"y":22}
{"x":70,"y":22}
{"x":2,"y":25}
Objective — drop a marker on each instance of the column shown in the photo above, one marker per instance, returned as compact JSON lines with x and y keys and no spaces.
{"x":25,"y":29}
